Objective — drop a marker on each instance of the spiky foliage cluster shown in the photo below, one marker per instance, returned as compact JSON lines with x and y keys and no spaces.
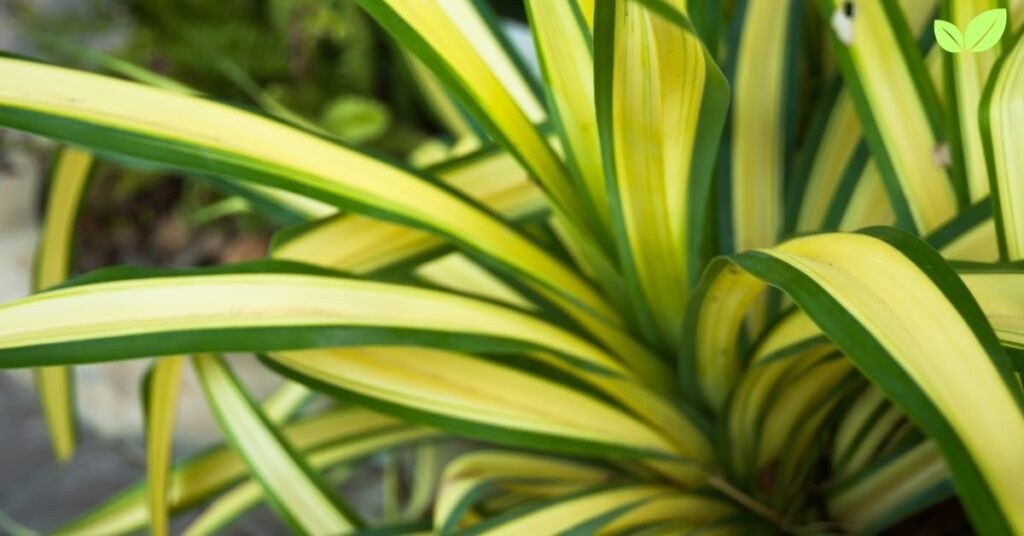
{"x":730,"y":267}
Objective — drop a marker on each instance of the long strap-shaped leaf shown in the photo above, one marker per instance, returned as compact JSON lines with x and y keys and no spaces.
{"x":661,"y":104}
{"x":480,"y":475}
{"x":210,"y":472}
{"x":891,"y":490}
{"x":967,"y":74}
{"x":361,"y":244}
{"x":727,"y":295}
{"x":263,"y":307}
{"x":832,"y":157}
{"x":53,"y":262}
{"x":969,"y":237}
{"x":905,"y":319}
{"x":287,"y":311}
{"x":1002,"y":134}
{"x":614,"y":509}
{"x":762,"y":72}
{"x":300,"y":496}
{"x":453,"y":40}
{"x":998,"y":289}
{"x":885,"y":76}
{"x":170,"y":129}
{"x":233,"y":503}
{"x":565,"y":49}
{"x":161,"y":389}
{"x":471,"y":396}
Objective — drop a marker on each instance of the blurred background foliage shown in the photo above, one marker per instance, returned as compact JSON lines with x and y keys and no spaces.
{"x":322,"y":60}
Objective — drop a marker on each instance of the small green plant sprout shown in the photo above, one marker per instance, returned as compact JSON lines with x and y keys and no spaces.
{"x":983,"y":32}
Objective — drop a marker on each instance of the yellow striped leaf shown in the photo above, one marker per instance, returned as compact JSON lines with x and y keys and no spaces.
{"x":53,"y":264}
{"x":762,"y":72}
{"x":1001,"y":133}
{"x":565,"y":48}
{"x":904,"y":307}
{"x":661,"y":103}
{"x":886,"y":77}
{"x":968,"y":74}
{"x":236,"y":501}
{"x":262,"y":307}
{"x":153,"y":125}
{"x":161,"y":403}
{"x":453,"y":39}
{"x":526,"y":409}
{"x":301,"y":498}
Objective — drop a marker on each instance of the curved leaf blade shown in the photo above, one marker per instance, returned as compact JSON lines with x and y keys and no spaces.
{"x":886,"y":76}
{"x":236,"y":501}
{"x":967,"y":400}
{"x":529,"y":411}
{"x":1001,"y":133}
{"x":661,"y":105}
{"x":264,"y":307}
{"x":969,"y":73}
{"x":68,"y":188}
{"x":117,"y":117}
{"x":299,"y":495}
{"x":161,"y":390}
{"x":210,"y":472}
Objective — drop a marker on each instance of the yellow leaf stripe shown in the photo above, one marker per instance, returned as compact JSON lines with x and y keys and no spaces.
{"x":658,"y":142}
{"x":969,"y":73}
{"x":968,"y":404}
{"x":305,"y":502}
{"x":1001,"y":118}
{"x":887,"y":79}
{"x":156,"y":125}
{"x":53,"y":263}
{"x":197,"y":478}
{"x":161,"y":402}
{"x":458,"y":391}
{"x":565,"y":49}
{"x":761,"y":68}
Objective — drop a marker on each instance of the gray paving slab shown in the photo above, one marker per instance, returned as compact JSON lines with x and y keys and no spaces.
{"x":40,"y":494}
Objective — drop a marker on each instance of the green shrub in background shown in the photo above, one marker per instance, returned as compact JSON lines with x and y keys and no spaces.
{"x":321,"y":59}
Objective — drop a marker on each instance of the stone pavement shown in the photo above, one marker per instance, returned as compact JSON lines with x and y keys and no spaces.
{"x":39,"y":494}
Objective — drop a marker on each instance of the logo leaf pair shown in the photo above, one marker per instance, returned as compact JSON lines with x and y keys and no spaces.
{"x":983,"y":32}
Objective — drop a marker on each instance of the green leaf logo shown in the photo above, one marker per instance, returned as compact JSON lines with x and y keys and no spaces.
{"x":985,"y":30}
{"x":949,"y":37}
{"x":983,"y":33}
